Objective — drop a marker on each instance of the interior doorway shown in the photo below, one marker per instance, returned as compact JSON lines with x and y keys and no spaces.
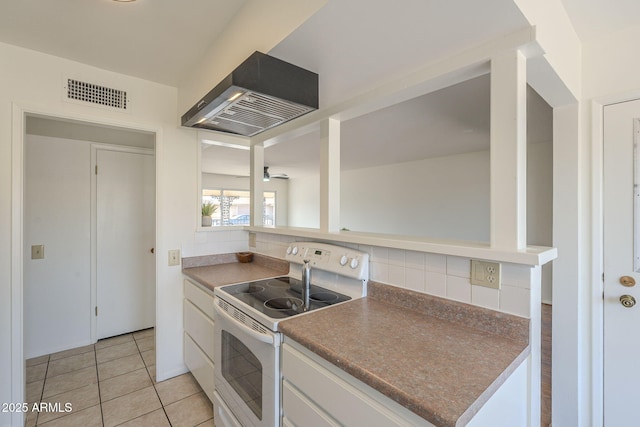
{"x":60,"y":259}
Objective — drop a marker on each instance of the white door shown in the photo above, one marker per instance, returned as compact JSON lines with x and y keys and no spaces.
{"x":125,"y":203}
{"x":621,"y":234}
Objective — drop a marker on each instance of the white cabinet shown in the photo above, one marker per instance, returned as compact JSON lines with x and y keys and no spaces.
{"x":318,"y":394}
{"x":199,"y":335}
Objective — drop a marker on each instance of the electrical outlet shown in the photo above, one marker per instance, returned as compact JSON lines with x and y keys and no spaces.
{"x":252,"y":240}
{"x":174,"y":257}
{"x":485,"y":273}
{"x":37,"y":252}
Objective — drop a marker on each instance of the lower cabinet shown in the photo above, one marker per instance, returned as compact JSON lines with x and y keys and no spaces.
{"x":316,"y":393}
{"x":199,"y":335}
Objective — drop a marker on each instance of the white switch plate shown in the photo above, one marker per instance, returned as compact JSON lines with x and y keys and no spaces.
{"x":252,"y":240}
{"x":37,"y":252}
{"x":174,"y":257}
{"x":485,"y":273}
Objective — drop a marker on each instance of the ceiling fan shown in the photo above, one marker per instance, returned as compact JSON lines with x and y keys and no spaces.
{"x":267,"y":176}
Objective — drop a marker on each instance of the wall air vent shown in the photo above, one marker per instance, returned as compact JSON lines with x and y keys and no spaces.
{"x":96,"y":94}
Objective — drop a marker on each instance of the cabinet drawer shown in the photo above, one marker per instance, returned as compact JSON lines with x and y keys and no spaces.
{"x":199,"y":365}
{"x":199,"y":298}
{"x":347,"y":400}
{"x":199,"y":327}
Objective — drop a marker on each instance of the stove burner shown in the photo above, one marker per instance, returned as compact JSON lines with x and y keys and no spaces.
{"x":283,"y":303}
{"x":323,"y":296}
{"x":278,"y":284}
{"x":254,"y":289}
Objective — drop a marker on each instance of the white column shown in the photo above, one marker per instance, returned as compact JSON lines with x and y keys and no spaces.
{"x":330,"y":175}
{"x":256,"y":184}
{"x":508,"y":151}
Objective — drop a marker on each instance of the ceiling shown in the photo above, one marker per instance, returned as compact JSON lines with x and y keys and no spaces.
{"x":353,"y":45}
{"x":157,"y":40}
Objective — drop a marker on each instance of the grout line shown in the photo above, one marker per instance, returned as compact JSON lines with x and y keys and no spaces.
{"x":95,"y":355}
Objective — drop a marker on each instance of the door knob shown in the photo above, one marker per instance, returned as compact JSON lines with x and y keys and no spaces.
{"x":627,"y":281}
{"x":152,"y":250}
{"x":627,"y":301}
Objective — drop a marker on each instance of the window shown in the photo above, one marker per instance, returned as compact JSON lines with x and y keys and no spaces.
{"x":232,"y":207}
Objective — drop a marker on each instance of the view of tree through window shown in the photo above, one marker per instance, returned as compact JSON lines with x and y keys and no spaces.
{"x":232,"y":207}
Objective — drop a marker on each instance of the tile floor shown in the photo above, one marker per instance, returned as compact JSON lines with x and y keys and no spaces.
{"x":112,"y":383}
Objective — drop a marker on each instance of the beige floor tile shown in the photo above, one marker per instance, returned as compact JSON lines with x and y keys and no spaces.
{"x":177,"y":388}
{"x":145,"y":344}
{"x":38,"y":360}
{"x":130,"y":406}
{"x":72,"y":352}
{"x":152,"y":373}
{"x":149,"y":357}
{"x":71,"y":381}
{"x":31,"y":419}
{"x":120,"y":366}
{"x":208,"y":423}
{"x":191,"y":411}
{"x":145,"y":333}
{"x":124,"y":384}
{"x":108,"y":342}
{"x":156,"y":418}
{"x":71,"y":363}
{"x":34,"y":391}
{"x":90,"y":417}
{"x":36,"y":372}
{"x":116,"y":351}
{"x":81,"y":398}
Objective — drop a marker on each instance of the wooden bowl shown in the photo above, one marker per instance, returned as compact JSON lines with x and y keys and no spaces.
{"x":244,"y":256}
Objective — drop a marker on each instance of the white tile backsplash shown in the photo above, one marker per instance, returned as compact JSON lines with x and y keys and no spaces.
{"x":435,"y":274}
{"x":435,"y":283}
{"x":457,"y":266}
{"x":485,"y":297}
{"x":414,"y":279}
{"x":515,"y":300}
{"x":459,"y":288}
{"x":396,"y":257}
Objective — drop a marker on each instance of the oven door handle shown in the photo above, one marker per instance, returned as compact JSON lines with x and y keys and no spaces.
{"x":269,"y":339}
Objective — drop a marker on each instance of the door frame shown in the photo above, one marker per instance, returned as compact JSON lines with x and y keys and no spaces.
{"x":597,"y":248}
{"x":94,"y":220}
{"x":19,"y":113}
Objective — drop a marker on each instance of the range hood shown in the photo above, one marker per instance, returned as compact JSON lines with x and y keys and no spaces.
{"x":263,"y":92}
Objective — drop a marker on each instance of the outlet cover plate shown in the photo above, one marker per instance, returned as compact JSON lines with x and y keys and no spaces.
{"x":485,"y":273}
{"x":174,"y":257}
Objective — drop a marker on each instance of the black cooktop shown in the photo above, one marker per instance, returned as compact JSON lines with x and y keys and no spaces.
{"x":281,"y":297}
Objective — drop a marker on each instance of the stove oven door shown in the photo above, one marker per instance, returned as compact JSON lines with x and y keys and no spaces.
{"x":246,"y":363}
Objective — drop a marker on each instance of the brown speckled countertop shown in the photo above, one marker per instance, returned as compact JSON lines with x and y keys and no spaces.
{"x":217,"y":270}
{"x":439,"y":358}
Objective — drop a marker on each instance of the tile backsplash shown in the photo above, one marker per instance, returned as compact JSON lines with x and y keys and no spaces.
{"x":436,"y":274}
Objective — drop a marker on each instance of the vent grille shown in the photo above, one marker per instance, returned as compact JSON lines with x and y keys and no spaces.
{"x":241,"y":317}
{"x":96,"y":94}
{"x":253,"y":113}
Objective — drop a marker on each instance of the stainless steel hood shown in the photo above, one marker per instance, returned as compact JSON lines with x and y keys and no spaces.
{"x":263,"y":92}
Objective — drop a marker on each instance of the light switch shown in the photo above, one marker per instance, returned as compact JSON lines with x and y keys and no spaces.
{"x":37,"y":252}
{"x":174,"y":257}
{"x":252,"y":240}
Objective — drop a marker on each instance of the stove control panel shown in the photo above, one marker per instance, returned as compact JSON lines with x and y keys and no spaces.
{"x":336,"y":259}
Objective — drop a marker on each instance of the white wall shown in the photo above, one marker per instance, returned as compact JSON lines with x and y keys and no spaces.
{"x":304,"y":202}
{"x":57,"y":202}
{"x":33,"y":82}
{"x":443,"y":197}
